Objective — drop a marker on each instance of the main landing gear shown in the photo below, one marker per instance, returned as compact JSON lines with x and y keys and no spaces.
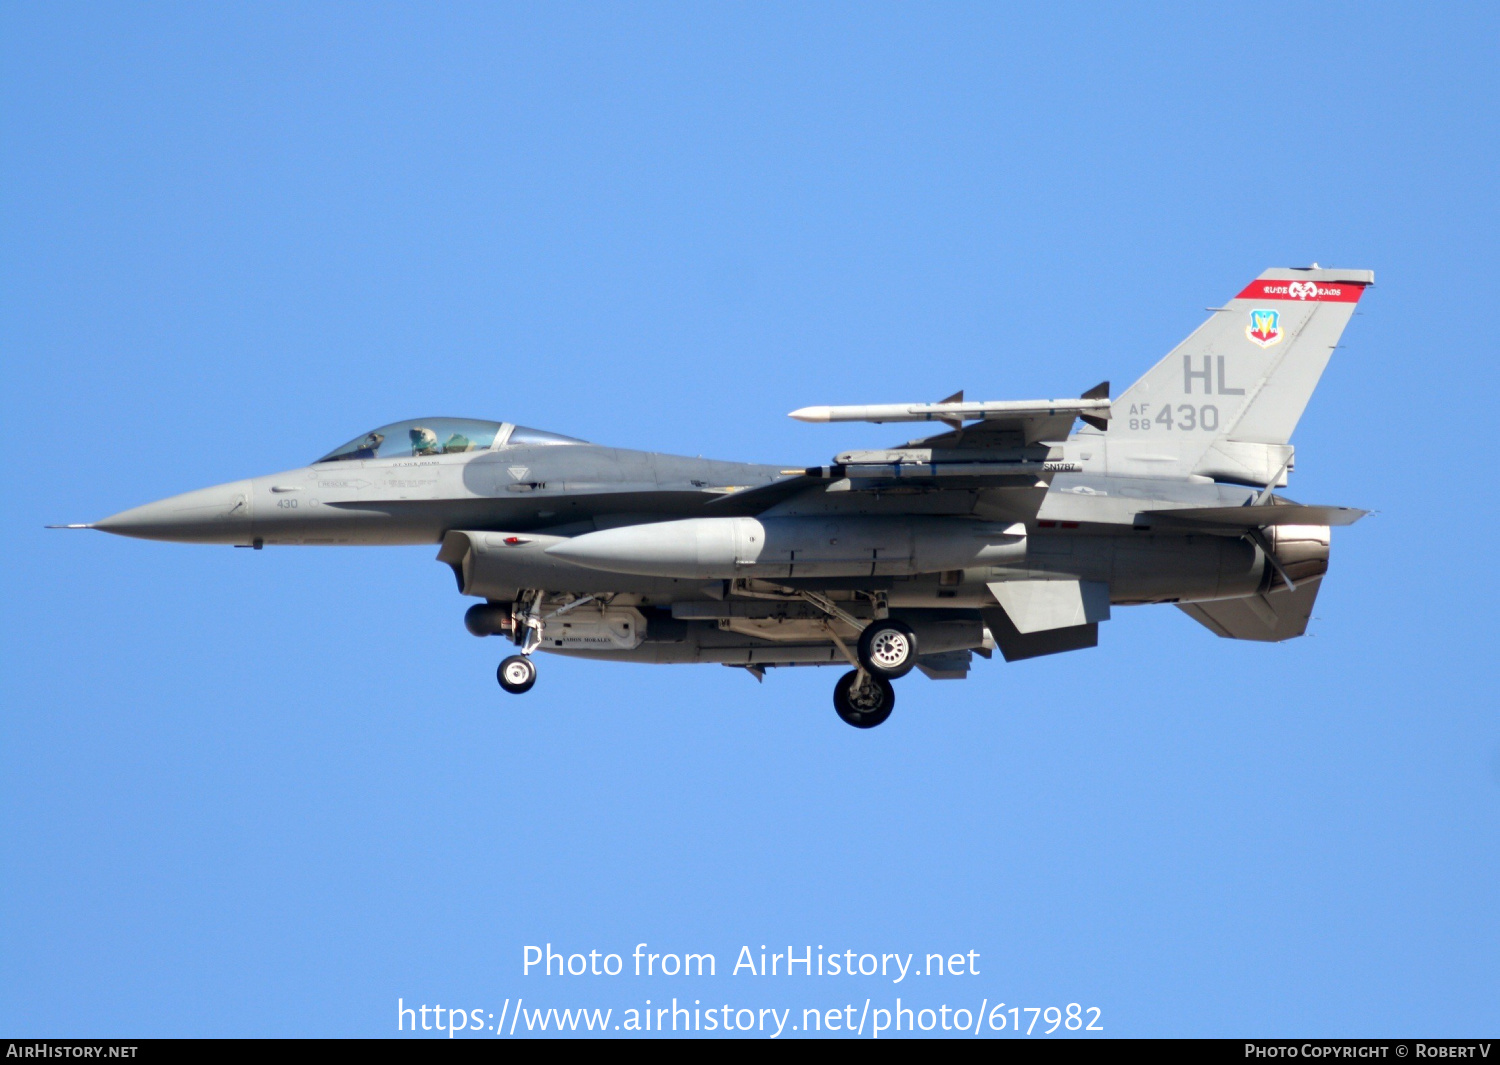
{"x":863,"y":699}
{"x":887,"y":650}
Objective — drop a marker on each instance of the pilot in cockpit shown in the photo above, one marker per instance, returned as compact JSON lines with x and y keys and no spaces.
{"x":423,"y":441}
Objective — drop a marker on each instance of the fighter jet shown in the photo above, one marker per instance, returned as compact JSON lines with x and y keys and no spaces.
{"x":1019,"y":526}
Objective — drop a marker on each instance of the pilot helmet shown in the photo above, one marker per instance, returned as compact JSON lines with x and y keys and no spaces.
{"x":423,"y":441}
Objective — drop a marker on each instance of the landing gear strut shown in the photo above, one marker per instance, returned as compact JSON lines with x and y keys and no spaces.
{"x":516,"y":674}
{"x":863,"y":699}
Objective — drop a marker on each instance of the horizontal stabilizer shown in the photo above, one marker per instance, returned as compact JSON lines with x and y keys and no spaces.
{"x":1251,"y":517}
{"x":1269,"y":617}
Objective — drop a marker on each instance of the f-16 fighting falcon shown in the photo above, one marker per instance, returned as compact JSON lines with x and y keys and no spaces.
{"x":1014,"y":528}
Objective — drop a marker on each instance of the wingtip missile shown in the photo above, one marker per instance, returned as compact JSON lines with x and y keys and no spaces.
{"x":1004,"y":410}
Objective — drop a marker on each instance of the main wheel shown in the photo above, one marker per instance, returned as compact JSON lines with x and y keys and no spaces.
{"x":516,"y":674}
{"x":865,"y":707}
{"x":888,"y":648}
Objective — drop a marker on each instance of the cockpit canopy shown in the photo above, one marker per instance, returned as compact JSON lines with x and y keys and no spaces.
{"x":441,"y":436}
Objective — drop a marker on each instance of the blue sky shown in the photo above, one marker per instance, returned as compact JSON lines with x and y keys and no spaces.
{"x":268,"y":793}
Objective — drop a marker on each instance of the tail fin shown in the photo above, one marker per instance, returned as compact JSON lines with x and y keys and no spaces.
{"x":1224,"y":402}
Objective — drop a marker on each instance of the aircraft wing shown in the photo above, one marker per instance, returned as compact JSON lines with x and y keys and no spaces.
{"x":1002,"y":455}
{"x":1008,"y":491}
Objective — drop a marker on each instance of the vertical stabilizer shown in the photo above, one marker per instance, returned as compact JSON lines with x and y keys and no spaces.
{"x":1224,"y":402}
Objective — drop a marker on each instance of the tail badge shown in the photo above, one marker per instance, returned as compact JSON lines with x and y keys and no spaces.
{"x":1264,"y":328}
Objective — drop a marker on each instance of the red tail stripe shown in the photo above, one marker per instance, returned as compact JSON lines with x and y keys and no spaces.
{"x":1304,"y":291}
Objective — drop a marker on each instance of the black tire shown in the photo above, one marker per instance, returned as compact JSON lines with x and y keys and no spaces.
{"x":516,"y":674}
{"x":888,"y":649}
{"x":871,"y":707}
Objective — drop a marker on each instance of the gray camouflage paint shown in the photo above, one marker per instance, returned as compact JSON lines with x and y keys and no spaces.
{"x":1207,"y":427}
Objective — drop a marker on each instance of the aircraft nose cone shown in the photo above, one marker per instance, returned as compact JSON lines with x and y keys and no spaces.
{"x":217,"y":515}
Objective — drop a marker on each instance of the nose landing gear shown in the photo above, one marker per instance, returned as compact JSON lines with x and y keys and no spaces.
{"x":863,"y":699}
{"x":516,"y":674}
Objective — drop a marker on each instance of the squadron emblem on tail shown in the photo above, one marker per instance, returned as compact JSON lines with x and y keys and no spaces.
{"x":1264,"y":328}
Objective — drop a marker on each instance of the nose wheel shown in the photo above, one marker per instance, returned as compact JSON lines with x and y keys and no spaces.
{"x":863,"y":699}
{"x":516,"y":674}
